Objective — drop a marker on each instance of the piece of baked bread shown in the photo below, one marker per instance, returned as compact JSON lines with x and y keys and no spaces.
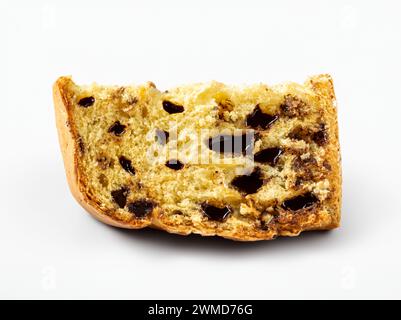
{"x":245,"y":163}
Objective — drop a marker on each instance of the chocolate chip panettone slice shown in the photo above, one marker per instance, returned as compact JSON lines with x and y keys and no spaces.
{"x":245,"y":163}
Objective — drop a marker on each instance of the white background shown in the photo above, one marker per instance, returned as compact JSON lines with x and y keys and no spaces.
{"x":49,"y":246}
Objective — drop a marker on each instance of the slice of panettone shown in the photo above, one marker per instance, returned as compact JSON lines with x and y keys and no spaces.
{"x":245,"y":163}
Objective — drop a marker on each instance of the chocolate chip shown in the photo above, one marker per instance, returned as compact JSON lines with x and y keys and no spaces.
{"x":117,"y":128}
{"x":127,"y":165}
{"x":162,"y":136}
{"x":248,"y":183}
{"x":174,"y":164}
{"x":215,"y":213}
{"x":258,"y":119}
{"x":310,"y":135}
{"x":304,"y":201}
{"x":172,"y":107}
{"x":86,"y":102}
{"x":303,"y":163}
{"x":141,"y":208}
{"x":327,"y":165}
{"x":235,"y":144}
{"x":292,"y":106}
{"x":320,"y":137}
{"x":120,"y":196}
{"x":300,"y":133}
{"x":306,"y":170}
{"x":269,"y":155}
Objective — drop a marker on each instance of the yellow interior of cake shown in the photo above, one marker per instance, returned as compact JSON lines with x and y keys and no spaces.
{"x":206,"y":175}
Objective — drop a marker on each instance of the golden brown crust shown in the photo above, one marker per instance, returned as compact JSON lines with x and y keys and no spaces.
{"x":323,"y":86}
{"x":289,"y":226}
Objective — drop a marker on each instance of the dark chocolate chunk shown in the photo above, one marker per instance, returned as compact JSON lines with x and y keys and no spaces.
{"x":234,"y":144}
{"x":86,"y":102}
{"x":292,"y":106}
{"x":162,"y":136}
{"x":117,"y":128}
{"x":127,"y":165}
{"x":248,"y":183}
{"x":310,"y":135}
{"x":141,"y":208}
{"x":306,"y":170}
{"x":320,"y":137}
{"x":300,"y":133}
{"x":215,"y":213}
{"x":327,"y":165}
{"x":174,"y":164}
{"x":269,"y":155}
{"x":259,"y":120}
{"x":301,"y":164}
{"x":304,"y":201}
{"x":172,"y":107}
{"x":120,"y":196}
